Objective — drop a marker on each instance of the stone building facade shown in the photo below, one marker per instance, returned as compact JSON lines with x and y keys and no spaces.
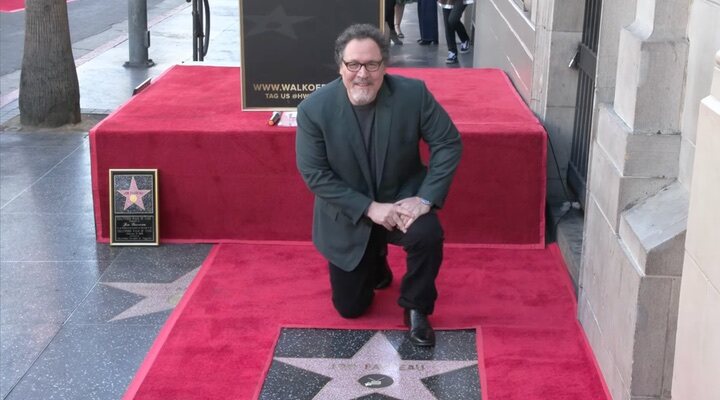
{"x":648,"y":277}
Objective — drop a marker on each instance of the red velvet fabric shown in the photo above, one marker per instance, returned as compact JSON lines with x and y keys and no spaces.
{"x":219,"y":340}
{"x":225,"y":175}
{"x":9,"y":6}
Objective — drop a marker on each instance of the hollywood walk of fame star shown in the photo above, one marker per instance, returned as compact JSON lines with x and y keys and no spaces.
{"x":157,"y":296}
{"x":276,"y":21}
{"x":378,"y":357}
{"x":133,"y":195}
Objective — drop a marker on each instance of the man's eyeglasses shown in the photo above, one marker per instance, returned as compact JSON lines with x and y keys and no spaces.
{"x":354,"y":66}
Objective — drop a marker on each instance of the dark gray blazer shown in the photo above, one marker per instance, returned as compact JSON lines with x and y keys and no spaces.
{"x":332,"y":160}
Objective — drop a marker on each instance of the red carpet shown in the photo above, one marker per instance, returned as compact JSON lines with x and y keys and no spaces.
{"x":218,"y":341}
{"x":225,"y":175}
{"x":9,"y":6}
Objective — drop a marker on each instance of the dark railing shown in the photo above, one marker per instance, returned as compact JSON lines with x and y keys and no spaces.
{"x":201,"y":28}
{"x":587,"y":60}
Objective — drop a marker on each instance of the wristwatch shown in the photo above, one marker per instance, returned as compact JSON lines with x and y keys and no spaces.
{"x":425,"y":202}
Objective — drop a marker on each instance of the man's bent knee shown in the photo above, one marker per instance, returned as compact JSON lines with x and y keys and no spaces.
{"x":351,"y":311}
{"x":426,"y":231}
{"x":353,"y":308}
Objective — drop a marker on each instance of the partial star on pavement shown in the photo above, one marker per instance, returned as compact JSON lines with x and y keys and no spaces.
{"x":372,"y":369}
{"x":134,"y":195}
{"x":157,"y":296}
{"x":276,"y":21}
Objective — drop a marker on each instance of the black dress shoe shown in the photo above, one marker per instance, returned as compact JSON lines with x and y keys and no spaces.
{"x":385,"y":276}
{"x":422,"y":42}
{"x":421,"y":333}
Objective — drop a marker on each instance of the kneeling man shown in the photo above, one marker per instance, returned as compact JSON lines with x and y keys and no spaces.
{"x":358,"y":151}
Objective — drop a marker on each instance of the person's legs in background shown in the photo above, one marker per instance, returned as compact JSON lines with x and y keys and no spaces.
{"x":427,"y":20}
{"x":455,"y":21}
{"x":449,"y":38}
{"x":453,"y":24}
{"x":390,"y":21}
{"x":399,"y":11}
{"x":421,"y":22}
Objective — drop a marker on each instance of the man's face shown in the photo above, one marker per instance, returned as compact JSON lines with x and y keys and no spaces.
{"x":362,"y":85}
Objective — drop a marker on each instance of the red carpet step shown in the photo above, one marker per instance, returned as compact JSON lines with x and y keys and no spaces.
{"x":218,"y":342}
{"x":225,"y":175}
{"x":10,"y":6}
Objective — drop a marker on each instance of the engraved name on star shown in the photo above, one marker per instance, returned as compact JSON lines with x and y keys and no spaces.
{"x":377,"y":357}
{"x":156,"y":296}
{"x":133,"y":195}
{"x":277,"y":21}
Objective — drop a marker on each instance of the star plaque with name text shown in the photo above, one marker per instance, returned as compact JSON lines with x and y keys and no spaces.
{"x":133,"y":207}
{"x":339,"y":364}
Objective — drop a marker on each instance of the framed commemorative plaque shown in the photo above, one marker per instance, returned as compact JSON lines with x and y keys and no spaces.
{"x":134,"y":207}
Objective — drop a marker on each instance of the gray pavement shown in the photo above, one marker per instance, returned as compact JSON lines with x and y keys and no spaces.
{"x":74,"y":322}
{"x":104,"y":82}
{"x":88,"y":19}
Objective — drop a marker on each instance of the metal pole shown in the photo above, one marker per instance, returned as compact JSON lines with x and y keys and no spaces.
{"x":138,"y":35}
{"x":196,"y":30}
{"x":201,"y":30}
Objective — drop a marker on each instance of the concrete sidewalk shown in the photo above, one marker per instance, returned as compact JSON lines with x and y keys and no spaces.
{"x":105,"y":83}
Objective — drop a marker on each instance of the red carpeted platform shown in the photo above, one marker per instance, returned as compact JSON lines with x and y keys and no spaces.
{"x":225,"y":175}
{"x":219,"y":340}
{"x":10,"y":6}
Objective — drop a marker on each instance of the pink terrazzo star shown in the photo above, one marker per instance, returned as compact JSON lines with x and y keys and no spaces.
{"x":133,"y":195}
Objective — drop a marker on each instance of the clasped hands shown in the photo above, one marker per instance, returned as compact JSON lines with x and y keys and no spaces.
{"x":400,"y":214}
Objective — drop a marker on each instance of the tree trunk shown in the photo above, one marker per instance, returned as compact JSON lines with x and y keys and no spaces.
{"x":49,"y":90}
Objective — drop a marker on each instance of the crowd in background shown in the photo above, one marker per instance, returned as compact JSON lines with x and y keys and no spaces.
{"x":452,"y":11}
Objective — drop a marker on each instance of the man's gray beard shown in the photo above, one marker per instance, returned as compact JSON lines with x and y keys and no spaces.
{"x":361,"y":97}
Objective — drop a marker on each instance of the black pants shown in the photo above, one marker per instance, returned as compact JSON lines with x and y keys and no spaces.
{"x":352,"y":292}
{"x":390,"y":14}
{"x":453,"y":24}
{"x":427,"y":20}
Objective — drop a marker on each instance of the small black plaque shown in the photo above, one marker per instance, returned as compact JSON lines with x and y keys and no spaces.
{"x":378,"y":381}
{"x":133,"y":207}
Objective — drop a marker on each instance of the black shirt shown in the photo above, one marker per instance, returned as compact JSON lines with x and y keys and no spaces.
{"x":365,"y":116}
